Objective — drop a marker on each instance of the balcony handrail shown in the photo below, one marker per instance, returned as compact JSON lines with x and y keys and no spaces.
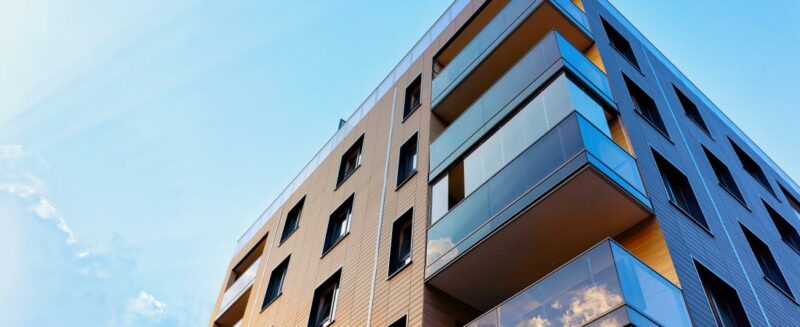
{"x":238,"y":287}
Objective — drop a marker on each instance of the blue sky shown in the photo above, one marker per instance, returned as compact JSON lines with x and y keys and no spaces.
{"x":138,"y":140}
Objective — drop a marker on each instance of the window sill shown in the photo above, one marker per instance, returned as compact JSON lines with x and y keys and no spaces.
{"x":333,"y":246}
{"x":399,"y":185}
{"x":664,"y":134}
{"x":398,"y":270}
{"x":741,"y":201}
{"x":283,"y":239}
{"x":346,"y":177}
{"x":691,"y":218}
{"x":265,"y":306}
{"x":791,"y":298}
{"x":411,"y":112}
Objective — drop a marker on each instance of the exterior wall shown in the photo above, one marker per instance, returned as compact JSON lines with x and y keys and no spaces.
{"x":670,"y":242}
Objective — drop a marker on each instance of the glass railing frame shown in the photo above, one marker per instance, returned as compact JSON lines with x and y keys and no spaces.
{"x":580,"y":22}
{"x":611,"y":245}
{"x":246,"y":282}
{"x":641,"y":198}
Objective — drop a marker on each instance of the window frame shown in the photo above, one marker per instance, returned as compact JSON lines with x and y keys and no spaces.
{"x":396,"y":263}
{"x":668,"y":171}
{"x":651,"y":114}
{"x":719,"y":167}
{"x":344,"y":174}
{"x":330,"y":243}
{"x":710,"y":281}
{"x":414,"y":160}
{"x":296,"y":212}
{"x":617,"y":41}
{"x":788,"y":232}
{"x":691,"y":110}
{"x":410,"y":108}
{"x":284,"y":269}
{"x":752,"y":167}
{"x":767,"y":263}
{"x":333,"y":282}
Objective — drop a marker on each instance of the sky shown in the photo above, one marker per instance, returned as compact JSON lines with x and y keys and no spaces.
{"x":139,"y":140}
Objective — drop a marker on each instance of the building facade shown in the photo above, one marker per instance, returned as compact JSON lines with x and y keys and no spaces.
{"x":528,"y":163}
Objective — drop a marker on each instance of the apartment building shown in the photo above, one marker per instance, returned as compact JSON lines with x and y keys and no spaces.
{"x":527,"y":163}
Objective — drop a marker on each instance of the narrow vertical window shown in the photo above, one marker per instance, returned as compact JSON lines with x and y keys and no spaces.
{"x":620,"y":43}
{"x":400,"y":255}
{"x":767,"y":262}
{"x":679,"y":190}
{"x":323,"y":309}
{"x":413,"y":97}
{"x":751,"y":167}
{"x":400,"y":322}
{"x":724,"y":175}
{"x":723,"y":299}
{"x":292,"y":220}
{"x":788,"y":232}
{"x":276,"y":280}
{"x":351,"y":159}
{"x":691,"y":110}
{"x":645,"y":105}
{"x":338,"y":224}
{"x":407,"y":164}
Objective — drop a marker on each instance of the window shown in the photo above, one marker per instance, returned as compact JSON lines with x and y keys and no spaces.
{"x":276,"y":279}
{"x":679,"y":190}
{"x":645,"y":105}
{"x":323,"y":309}
{"x":400,"y":255}
{"x":787,"y":231}
{"x":691,"y":110}
{"x":413,"y":97}
{"x":766,"y":261}
{"x":407,"y":165}
{"x":339,"y":224}
{"x":752,"y":167}
{"x":350,"y":161}
{"x":620,"y":43}
{"x":792,"y":200}
{"x":292,"y":220}
{"x":724,"y":302}
{"x":724,"y":175}
{"x":399,"y":323}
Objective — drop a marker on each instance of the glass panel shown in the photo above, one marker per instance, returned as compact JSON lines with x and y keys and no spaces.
{"x":649,"y":292}
{"x":611,"y":155}
{"x":439,"y":199}
{"x":473,"y":171}
{"x":468,"y":214}
{"x":573,"y":295}
{"x":488,"y":320}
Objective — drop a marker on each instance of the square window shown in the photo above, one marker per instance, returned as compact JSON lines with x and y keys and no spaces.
{"x":323,"y":309}
{"x":338,"y":224}
{"x":399,"y":323}
{"x":400,"y":255}
{"x":751,"y":167}
{"x":351,"y":160}
{"x":292,"y":220}
{"x":407,"y":164}
{"x":276,"y":279}
{"x":792,"y":200}
{"x":724,"y":175}
{"x":691,"y":110}
{"x":723,"y":299}
{"x":645,"y":105}
{"x":766,"y":261}
{"x":413,"y":97}
{"x":620,"y":43}
{"x":788,"y":232}
{"x":679,"y":190}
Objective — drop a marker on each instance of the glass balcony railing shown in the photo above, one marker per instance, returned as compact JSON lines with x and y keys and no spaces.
{"x":239,"y":287}
{"x":567,"y":147}
{"x":604,"y":286}
{"x":545,"y":60}
{"x":510,"y":17}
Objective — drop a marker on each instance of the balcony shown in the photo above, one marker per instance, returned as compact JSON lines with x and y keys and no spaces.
{"x":234,"y":300}
{"x":604,"y":286}
{"x":553,"y":54}
{"x":523,"y":221}
{"x":469,"y":64}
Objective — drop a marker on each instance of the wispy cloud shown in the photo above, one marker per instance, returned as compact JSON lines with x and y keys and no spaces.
{"x":145,"y":305}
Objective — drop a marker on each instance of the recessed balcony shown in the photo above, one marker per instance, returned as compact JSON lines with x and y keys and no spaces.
{"x":472,"y":61}
{"x":571,"y":188}
{"x":234,"y":300}
{"x":604,"y":286}
{"x":552,"y":55}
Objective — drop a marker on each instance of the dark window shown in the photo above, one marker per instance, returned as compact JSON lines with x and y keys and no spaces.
{"x":292,"y":220}
{"x":766,"y":261}
{"x":401,"y":242}
{"x":724,"y":302}
{"x":751,"y":167}
{"x":323,"y":309}
{"x":792,"y":200}
{"x":350,"y":161}
{"x":338,"y":224}
{"x":723,"y":175}
{"x":679,"y":190}
{"x":407,"y":165}
{"x":413,"y":97}
{"x":276,"y":279}
{"x":645,"y":105}
{"x":787,"y":231}
{"x":691,"y":110}
{"x":620,"y":43}
{"x":399,"y":323}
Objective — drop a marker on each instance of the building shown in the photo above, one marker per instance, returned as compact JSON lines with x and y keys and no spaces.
{"x":528,"y":163}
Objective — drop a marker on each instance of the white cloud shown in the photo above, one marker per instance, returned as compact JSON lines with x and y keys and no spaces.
{"x":11,"y":151}
{"x":18,"y":189}
{"x":144,"y":305}
{"x":45,"y":210}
